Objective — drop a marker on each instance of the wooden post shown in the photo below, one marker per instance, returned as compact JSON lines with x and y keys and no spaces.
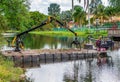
{"x":31,"y":58}
{"x":45,"y":57}
{"x":92,"y":55}
{"x":61,"y":56}
{"x":77,"y":56}
{"x":39,"y":58}
{"x":53,"y":57}
{"x":84,"y":56}
{"x":22,"y":58}
{"x":69,"y":56}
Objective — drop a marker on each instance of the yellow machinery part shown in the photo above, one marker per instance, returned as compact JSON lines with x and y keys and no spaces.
{"x":14,"y":41}
{"x":21,"y":46}
{"x":49,"y":18}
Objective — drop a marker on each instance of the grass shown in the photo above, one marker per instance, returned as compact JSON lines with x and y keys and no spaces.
{"x":69,"y":34}
{"x":9,"y":73}
{"x":52,"y":33}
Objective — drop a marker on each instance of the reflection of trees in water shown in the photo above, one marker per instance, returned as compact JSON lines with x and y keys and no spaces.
{"x":88,"y":77}
{"x":79,"y":72}
{"x":35,"y":41}
{"x":39,"y":41}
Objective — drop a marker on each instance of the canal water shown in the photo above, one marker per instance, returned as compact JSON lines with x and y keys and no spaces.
{"x":85,"y":70}
{"x":48,"y":42}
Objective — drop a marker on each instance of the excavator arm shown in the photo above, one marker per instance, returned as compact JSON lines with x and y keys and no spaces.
{"x":19,"y":43}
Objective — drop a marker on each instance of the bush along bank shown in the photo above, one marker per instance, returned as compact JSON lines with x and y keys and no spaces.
{"x":9,"y":73}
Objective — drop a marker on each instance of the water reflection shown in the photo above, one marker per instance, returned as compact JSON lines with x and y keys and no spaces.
{"x":33,"y":41}
{"x":47,"y":42}
{"x":77,"y":71}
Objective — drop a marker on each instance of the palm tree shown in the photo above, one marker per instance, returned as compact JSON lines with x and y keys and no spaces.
{"x":89,"y":6}
{"x":99,"y":13}
{"x":93,"y":5}
{"x":110,"y":11}
{"x":79,"y":15}
{"x":73,"y":4}
{"x":115,"y":3}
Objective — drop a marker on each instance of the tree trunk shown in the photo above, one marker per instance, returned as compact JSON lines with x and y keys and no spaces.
{"x":72,"y":5}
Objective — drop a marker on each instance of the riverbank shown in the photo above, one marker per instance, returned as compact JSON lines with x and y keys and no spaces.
{"x":67,"y":33}
{"x":9,"y":73}
{"x":59,"y":33}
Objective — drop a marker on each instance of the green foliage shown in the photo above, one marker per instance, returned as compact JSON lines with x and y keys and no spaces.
{"x":67,"y":33}
{"x":100,"y":14}
{"x":16,"y":13}
{"x":54,"y":9}
{"x":66,"y":15}
{"x":7,"y":71}
{"x":115,"y":3}
{"x":37,"y":18}
{"x":3,"y":23}
{"x":57,"y":33}
{"x":93,"y":5}
{"x":79,"y":15}
{"x":110,"y":11}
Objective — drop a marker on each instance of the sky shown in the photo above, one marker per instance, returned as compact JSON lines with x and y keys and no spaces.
{"x":42,"y":5}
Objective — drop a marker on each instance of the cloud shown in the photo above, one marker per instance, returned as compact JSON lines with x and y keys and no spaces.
{"x":42,"y":5}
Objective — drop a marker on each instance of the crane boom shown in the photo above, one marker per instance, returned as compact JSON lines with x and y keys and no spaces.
{"x":19,"y":43}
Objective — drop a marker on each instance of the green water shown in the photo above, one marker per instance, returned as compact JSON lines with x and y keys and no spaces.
{"x":32,"y":41}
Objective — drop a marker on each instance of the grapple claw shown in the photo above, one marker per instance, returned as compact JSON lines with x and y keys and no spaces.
{"x":76,"y":43}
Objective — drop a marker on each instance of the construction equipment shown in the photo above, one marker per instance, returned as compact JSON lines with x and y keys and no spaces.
{"x":19,"y":43}
{"x":102,"y":42}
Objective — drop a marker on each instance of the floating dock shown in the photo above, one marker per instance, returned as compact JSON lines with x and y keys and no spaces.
{"x":50,"y":54}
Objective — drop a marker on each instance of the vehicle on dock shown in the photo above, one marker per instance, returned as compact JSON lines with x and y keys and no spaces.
{"x":102,"y":43}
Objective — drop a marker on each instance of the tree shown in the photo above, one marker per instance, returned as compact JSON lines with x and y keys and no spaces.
{"x":93,"y":5}
{"x":89,"y":6}
{"x":116,"y":5}
{"x":79,"y":15}
{"x":66,"y":15}
{"x":37,"y":18}
{"x":110,"y":11}
{"x":87,"y":3}
{"x":54,"y":9}
{"x":99,"y":13}
{"x":3,"y":23}
{"x":16,"y":13}
{"x":73,"y":4}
